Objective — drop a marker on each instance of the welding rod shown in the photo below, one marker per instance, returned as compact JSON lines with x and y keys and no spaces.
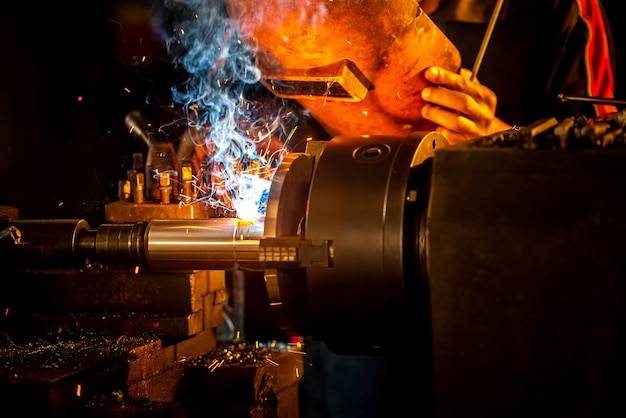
{"x":592,"y":99}
{"x":486,"y":38}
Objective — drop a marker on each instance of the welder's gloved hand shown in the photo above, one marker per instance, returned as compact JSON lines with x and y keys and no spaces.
{"x":462,"y":108}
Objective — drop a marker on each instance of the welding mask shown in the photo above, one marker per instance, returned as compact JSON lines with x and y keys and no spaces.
{"x":356,"y":65}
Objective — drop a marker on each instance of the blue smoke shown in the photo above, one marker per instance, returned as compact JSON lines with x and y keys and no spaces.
{"x":223,"y":99}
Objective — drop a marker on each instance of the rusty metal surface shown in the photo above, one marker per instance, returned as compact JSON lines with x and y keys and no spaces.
{"x":83,"y":372}
{"x":51,"y":374}
{"x":122,"y":212}
{"x":114,"y":290}
{"x":118,"y":300}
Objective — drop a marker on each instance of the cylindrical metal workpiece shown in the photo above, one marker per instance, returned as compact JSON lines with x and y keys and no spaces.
{"x":203,"y":244}
{"x":171,"y":244}
{"x":115,"y":244}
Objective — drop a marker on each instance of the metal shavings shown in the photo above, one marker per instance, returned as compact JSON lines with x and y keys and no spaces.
{"x":41,"y":356}
{"x":270,"y":361}
{"x":117,"y":399}
{"x":241,"y":354}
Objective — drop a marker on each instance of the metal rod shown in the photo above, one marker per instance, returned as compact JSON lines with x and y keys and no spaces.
{"x":203,"y":244}
{"x":486,"y":38}
{"x":592,"y":99}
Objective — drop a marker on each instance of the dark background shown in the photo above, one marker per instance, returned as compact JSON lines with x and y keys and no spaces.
{"x":72,"y":71}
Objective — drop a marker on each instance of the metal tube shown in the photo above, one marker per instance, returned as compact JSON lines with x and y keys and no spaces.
{"x":597,"y":100}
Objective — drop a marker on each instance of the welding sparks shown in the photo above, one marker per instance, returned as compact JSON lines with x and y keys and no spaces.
{"x":245,"y":134}
{"x":272,"y":362}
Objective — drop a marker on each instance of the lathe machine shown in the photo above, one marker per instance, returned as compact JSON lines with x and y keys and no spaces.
{"x":493,"y":271}
{"x":496,"y":265}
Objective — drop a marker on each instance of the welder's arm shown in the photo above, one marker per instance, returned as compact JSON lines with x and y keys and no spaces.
{"x":462,"y":108}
